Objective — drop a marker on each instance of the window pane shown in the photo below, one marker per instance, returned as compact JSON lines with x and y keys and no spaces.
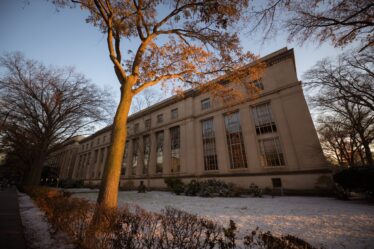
{"x":271,"y":152}
{"x":135,"y":154}
{"x":263,"y":117}
{"x":124,"y":160}
{"x":235,"y":141}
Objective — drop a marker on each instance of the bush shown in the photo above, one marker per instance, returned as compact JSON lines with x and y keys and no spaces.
{"x":69,"y":183}
{"x":254,"y":190}
{"x":174,"y":184}
{"x":135,"y":228}
{"x":358,"y":179}
{"x":266,"y":240}
{"x":192,"y":188}
{"x":212,"y":188}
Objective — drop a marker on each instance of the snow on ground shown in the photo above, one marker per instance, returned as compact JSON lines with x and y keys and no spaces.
{"x":320,"y":221}
{"x":36,"y":228}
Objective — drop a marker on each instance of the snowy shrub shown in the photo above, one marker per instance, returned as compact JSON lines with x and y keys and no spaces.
{"x":254,"y":190}
{"x":266,"y":240}
{"x":175,"y":184}
{"x":132,"y":227}
{"x":192,"y":188}
{"x":212,"y":188}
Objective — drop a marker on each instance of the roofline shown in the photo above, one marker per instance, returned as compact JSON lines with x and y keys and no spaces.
{"x":269,"y":59}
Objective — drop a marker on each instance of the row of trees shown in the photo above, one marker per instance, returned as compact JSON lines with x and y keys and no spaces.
{"x":343,"y":90}
{"x":41,"y":107}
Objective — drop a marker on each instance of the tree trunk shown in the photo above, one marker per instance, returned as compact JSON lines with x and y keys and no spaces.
{"x":36,"y":169}
{"x":368,"y":155}
{"x":108,"y":194}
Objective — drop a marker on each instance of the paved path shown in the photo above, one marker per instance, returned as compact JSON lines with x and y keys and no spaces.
{"x":11,"y":230}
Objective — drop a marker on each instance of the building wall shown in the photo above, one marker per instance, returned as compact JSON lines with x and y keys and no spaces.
{"x":298,"y":152}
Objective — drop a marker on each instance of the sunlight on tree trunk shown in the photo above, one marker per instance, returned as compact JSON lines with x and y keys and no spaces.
{"x":112,"y":171}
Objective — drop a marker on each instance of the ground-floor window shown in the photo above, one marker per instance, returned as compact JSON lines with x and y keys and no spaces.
{"x":271,"y":152}
{"x":235,"y":142}
{"x":209,"y":145}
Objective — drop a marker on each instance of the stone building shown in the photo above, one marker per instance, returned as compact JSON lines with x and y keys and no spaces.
{"x":269,"y":140}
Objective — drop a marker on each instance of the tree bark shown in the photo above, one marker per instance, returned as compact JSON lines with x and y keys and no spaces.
{"x":108,"y":194}
{"x":36,"y":169}
{"x":368,"y":155}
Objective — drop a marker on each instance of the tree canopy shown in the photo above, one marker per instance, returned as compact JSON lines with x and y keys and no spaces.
{"x":43,"y":106}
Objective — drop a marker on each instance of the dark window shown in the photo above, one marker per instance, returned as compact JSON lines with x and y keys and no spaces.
{"x":96,"y":155}
{"x":205,"y":104}
{"x":175,"y":149}
{"x":147,"y":124}
{"x":102,"y":155}
{"x":136,"y":127}
{"x":277,"y":182}
{"x":209,"y":145}
{"x":135,"y":155}
{"x":235,"y":141}
{"x":271,"y":152}
{"x":174,"y":113}
{"x":263,"y":118}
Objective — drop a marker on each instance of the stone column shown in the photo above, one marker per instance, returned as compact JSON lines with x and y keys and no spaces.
{"x":139,"y":170}
{"x":152,"y":159}
{"x":167,"y":153}
{"x":129,"y":159}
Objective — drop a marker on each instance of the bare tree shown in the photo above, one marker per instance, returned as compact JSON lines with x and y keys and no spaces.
{"x":145,"y":99}
{"x":340,"y":141}
{"x":339,"y":21}
{"x":44,"y":106}
{"x":188,"y":41}
{"x":345,"y":88}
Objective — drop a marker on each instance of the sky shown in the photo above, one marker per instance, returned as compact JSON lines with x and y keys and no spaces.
{"x":63,"y":38}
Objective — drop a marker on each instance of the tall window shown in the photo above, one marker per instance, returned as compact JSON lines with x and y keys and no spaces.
{"x":263,"y":118}
{"x":147,"y":153}
{"x":102,"y":155}
{"x":96,"y":155}
{"x":136,"y":128}
{"x":205,"y":104}
{"x":159,"y":151}
{"x":124,"y":160}
{"x":209,"y":145}
{"x":135,"y":155}
{"x":271,"y":152}
{"x":235,"y":141}
{"x":175,"y":149}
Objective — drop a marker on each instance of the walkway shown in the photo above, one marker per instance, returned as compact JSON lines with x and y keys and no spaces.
{"x":11,"y":230}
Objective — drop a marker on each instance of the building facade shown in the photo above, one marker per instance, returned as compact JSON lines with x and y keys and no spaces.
{"x":269,"y":140}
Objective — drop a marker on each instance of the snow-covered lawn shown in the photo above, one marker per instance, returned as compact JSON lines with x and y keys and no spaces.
{"x":36,"y":228}
{"x":321,"y":221}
